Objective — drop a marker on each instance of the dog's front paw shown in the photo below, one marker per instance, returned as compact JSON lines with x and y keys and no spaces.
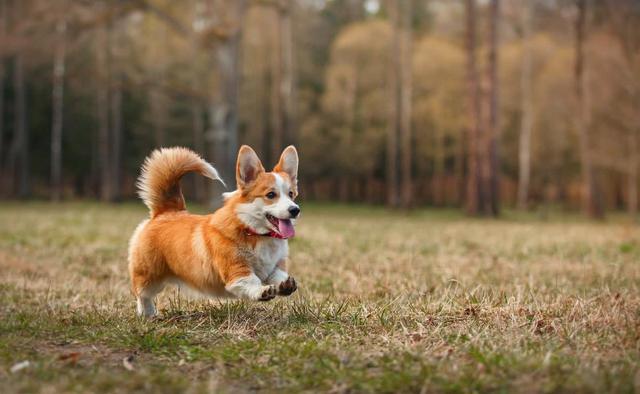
{"x":287,"y":287}
{"x":268,"y":293}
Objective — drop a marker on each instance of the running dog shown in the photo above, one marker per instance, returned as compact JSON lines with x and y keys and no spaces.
{"x":239,"y":251}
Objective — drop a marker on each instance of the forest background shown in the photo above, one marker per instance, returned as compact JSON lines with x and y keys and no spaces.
{"x":477,"y":105}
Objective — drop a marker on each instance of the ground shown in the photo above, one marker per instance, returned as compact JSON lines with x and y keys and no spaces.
{"x":387,"y":302}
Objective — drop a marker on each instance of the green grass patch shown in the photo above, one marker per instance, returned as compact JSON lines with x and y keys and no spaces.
{"x":388,"y":302}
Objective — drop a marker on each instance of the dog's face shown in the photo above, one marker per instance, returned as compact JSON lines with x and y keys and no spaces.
{"x":266,"y":199}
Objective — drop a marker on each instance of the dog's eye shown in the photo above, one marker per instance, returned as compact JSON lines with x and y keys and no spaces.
{"x":291,"y":194}
{"x":271,"y":195}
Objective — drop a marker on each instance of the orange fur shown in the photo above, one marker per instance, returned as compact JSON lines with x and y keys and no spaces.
{"x":161,"y":172}
{"x":205,"y":252}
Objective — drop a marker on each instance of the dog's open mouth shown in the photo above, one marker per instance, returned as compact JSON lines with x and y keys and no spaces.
{"x":283,"y":227}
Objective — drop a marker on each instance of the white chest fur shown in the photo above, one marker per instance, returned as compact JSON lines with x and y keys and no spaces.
{"x":267,"y":253}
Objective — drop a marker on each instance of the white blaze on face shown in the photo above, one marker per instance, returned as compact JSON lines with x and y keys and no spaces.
{"x":280,"y":209}
{"x":254,"y":213}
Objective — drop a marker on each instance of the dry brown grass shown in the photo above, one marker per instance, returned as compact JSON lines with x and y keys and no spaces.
{"x":388,"y":302}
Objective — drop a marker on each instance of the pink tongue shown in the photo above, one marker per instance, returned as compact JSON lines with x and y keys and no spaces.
{"x":285,"y":228}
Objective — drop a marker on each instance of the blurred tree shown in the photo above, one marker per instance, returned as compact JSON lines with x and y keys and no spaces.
{"x":399,"y":123}
{"x":159,"y":103}
{"x":526,"y":123}
{"x":624,"y":25}
{"x":555,"y":159}
{"x":3,"y":39}
{"x":492,"y":163}
{"x":355,"y":106}
{"x":102,"y":100}
{"x":20,"y":149}
{"x":158,"y":62}
{"x":438,"y":116}
{"x":59,"y":68}
{"x":402,"y":95}
{"x":223,"y":105}
{"x":197,"y":105}
{"x":475,"y":188}
{"x":591,"y":194}
{"x":258,"y":50}
{"x":116,"y":83}
{"x":282,"y":79}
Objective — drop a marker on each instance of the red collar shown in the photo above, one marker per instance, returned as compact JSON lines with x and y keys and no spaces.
{"x":271,"y":234}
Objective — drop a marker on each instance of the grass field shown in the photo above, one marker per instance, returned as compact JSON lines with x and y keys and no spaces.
{"x":387,"y":302}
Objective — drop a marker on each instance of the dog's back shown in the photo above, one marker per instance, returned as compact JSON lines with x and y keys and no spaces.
{"x":161,"y":243}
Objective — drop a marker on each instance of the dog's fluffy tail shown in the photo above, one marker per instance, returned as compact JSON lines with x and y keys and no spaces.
{"x":159,"y":181}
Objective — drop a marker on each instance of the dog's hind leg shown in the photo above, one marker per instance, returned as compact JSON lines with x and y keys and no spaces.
{"x":145,"y":300}
{"x":145,"y":289}
{"x":146,"y":272}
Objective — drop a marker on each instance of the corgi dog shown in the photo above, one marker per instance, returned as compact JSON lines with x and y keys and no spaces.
{"x":239,"y":251}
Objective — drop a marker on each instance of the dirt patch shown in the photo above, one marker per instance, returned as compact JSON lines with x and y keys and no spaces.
{"x":90,"y":354}
{"x":15,"y":264}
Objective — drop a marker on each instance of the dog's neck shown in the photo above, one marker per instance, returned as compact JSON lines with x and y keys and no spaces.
{"x":272,"y":234}
{"x":225,"y":220}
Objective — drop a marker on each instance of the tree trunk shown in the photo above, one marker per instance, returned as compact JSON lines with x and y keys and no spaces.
{"x":223,"y":111}
{"x":3,"y":30}
{"x":405,"y":31}
{"x":158,"y":100}
{"x":116,"y":84}
{"x":21,"y":131}
{"x":392,"y":126}
{"x":58,"y":111}
{"x":634,"y":160}
{"x":197,"y":107}
{"x":2,"y":79}
{"x":474,"y":132}
{"x":197,"y":116}
{"x":459,"y":169}
{"x":484,"y":147}
{"x":216,"y":135}
{"x":591,"y":201}
{"x":493,"y":129}
{"x":102,"y":63}
{"x":526,"y":123}
{"x":288,"y":83}
{"x":18,"y":161}
{"x":282,"y":81}
{"x":276,"y":96}
{"x":399,"y":182}
{"x":265,"y":118}
{"x":439,"y":169}
{"x":116,"y":141}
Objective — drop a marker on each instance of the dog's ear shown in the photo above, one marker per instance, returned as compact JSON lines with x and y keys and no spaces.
{"x":248,"y":167}
{"x":289,"y":163}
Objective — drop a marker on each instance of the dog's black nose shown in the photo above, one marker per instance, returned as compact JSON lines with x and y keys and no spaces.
{"x":294,"y":211}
